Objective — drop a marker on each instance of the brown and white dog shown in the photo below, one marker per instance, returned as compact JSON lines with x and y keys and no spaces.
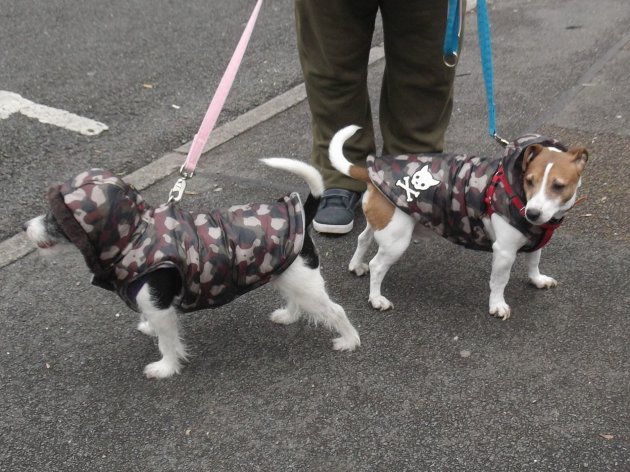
{"x":473,"y":201}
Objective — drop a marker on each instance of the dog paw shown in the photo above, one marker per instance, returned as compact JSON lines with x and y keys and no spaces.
{"x":359,"y":269}
{"x":381,"y":303}
{"x":346,"y":343}
{"x":145,"y":328}
{"x":162,"y":369}
{"x":283,"y":316}
{"x":542,"y":281}
{"x":500,"y":310}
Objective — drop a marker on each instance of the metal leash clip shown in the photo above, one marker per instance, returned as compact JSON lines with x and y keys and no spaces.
{"x":454,"y":22}
{"x":177,"y":192}
{"x":450,"y":60}
{"x":500,"y":140}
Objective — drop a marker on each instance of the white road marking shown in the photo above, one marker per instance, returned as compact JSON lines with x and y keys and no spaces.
{"x":11,"y":103}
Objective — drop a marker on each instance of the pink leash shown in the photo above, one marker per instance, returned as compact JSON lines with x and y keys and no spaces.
{"x":216,"y":105}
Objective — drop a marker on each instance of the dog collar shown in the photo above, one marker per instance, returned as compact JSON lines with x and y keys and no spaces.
{"x":499,"y":178}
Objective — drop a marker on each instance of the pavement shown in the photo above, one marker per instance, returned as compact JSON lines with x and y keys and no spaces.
{"x":437,"y":384}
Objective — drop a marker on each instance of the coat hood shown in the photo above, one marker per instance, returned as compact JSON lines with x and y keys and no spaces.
{"x":101,"y":214}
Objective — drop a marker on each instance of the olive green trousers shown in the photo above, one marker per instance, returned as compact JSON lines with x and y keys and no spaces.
{"x":334,"y":40}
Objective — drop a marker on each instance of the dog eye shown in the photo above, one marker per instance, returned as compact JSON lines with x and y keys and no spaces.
{"x":529,"y":181}
{"x":558,"y":187}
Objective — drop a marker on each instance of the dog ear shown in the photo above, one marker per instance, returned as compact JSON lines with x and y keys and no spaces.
{"x":581,"y":156}
{"x":529,"y":154}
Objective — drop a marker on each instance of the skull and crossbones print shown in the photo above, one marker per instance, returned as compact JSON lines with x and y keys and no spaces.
{"x":420,"y":180}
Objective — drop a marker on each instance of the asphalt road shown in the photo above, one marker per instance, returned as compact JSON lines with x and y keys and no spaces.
{"x":437,"y":385}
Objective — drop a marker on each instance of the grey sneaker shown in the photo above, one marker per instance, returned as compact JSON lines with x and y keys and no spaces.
{"x":335,"y":214}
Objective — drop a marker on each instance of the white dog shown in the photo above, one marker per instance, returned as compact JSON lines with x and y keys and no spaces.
{"x":164,"y":260}
{"x":473,"y":201}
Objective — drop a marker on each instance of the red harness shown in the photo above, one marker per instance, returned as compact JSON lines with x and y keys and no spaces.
{"x":499,"y":178}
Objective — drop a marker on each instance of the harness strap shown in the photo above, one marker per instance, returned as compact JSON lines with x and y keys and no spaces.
{"x":499,"y":178}
{"x":549,"y":229}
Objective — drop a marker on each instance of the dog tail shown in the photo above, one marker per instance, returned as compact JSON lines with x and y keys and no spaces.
{"x":312,"y":177}
{"x":339,"y":161}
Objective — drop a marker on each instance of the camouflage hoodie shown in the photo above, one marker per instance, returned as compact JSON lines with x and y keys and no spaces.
{"x":446,"y":192}
{"x":219,"y":255}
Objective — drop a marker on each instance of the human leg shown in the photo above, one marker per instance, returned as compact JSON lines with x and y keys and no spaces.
{"x":417,"y":91}
{"x":334,"y":40}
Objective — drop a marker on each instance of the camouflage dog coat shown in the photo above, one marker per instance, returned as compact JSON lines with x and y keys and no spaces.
{"x":452,"y":193}
{"x":219,"y":255}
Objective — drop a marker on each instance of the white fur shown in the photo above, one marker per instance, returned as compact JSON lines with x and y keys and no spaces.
{"x":335,"y":149}
{"x":312,"y":177}
{"x":36,"y":231}
{"x":163,"y":324}
{"x":304,"y":290}
{"x":394,"y":239}
{"x":392,"y":242}
{"x":507,"y":243}
{"x":48,"y":246}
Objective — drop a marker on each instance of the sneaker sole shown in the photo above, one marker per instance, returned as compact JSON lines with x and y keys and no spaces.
{"x":333,"y":229}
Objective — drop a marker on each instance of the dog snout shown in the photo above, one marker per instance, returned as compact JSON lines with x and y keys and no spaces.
{"x":532,"y":214}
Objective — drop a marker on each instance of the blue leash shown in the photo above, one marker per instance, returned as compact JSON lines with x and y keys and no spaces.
{"x":451,"y":50}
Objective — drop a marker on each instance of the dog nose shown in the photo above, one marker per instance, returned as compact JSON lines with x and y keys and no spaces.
{"x":532,"y":214}
{"x":25,"y":226}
